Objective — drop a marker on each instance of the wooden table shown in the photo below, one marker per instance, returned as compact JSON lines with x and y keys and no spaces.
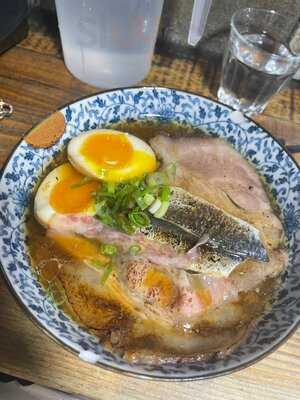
{"x":34,"y":79}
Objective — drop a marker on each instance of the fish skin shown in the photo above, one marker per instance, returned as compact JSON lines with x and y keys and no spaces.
{"x":227,"y":235}
{"x":208,"y":260}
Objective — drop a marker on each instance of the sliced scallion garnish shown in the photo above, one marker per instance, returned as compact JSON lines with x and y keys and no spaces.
{"x":155,"y":206}
{"x":139,"y":218}
{"x":108,"y":270}
{"x":126,"y":205}
{"x":165,"y":193}
{"x":111,"y":187}
{"x":108,"y":249}
{"x":162,"y":209}
{"x":148,"y":199}
{"x":97,"y":264}
{"x":141,"y":203}
{"x":125,"y":225}
{"x":134,"y":250}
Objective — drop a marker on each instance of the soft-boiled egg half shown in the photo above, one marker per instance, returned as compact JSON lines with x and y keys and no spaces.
{"x":111,"y":155}
{"x":64,"y":191}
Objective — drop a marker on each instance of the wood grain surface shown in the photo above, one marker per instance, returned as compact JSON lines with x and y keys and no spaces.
{"x":35,"y":81}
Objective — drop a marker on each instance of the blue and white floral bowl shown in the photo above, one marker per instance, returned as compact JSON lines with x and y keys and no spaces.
{"x":27,"y":165}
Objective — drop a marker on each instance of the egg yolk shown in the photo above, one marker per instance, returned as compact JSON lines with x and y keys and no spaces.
{"x":71,"y":194}
{"x":79,"y":247}
{"x":107,"y":150}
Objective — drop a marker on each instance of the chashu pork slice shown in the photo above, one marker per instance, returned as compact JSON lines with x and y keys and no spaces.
{"x":211,"y":169}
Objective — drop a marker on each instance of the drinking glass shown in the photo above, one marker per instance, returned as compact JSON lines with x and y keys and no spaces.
{"x":258,"y":61}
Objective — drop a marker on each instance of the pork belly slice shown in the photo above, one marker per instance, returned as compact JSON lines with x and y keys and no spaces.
{"x":213,"y":170}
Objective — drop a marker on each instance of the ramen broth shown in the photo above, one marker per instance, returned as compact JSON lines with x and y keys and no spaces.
{"x":76,"y":289}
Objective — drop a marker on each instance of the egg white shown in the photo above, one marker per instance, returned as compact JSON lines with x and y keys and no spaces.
{"x":83,"y":165}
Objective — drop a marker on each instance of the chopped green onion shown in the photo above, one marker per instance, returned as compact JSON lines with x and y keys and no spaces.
{"x":108,"y":270}
{"x":125,"y":225}
{"x":165,"y":193}
{"x":141,"y":203}
{"x":117,"y":205}
{"x":155,"y":206}
{"x":104,"y":214}
{"x":100,"y":204}
{"x":148,"y":199}
{"x":111,"y":187}
{"x":162,"y":209}
{"x":97,"y":264}
{"x":128,"y":202}
{"x":148,"y":190}
{"x":126,"y":205}
{"x":139,"y":218}
{"x":135,"y":249}
{"x":82,"y":182}
{"x":108,"y":250}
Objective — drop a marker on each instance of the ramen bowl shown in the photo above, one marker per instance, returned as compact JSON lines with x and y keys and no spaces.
{"x":28,"y":164}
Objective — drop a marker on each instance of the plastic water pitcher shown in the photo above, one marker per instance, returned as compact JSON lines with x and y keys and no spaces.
{"x":110,"y":43}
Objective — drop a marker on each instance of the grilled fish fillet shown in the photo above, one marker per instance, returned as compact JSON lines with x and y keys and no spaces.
{"x":226,"y":234}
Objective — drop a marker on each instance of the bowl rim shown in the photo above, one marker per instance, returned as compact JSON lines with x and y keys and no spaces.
{"x":121,"y":370}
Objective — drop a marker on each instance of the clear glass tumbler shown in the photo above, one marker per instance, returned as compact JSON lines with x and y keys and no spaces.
{"x":258,"y":61}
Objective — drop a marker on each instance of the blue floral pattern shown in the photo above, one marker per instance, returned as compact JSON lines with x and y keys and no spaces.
{"x":27,"y":165}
